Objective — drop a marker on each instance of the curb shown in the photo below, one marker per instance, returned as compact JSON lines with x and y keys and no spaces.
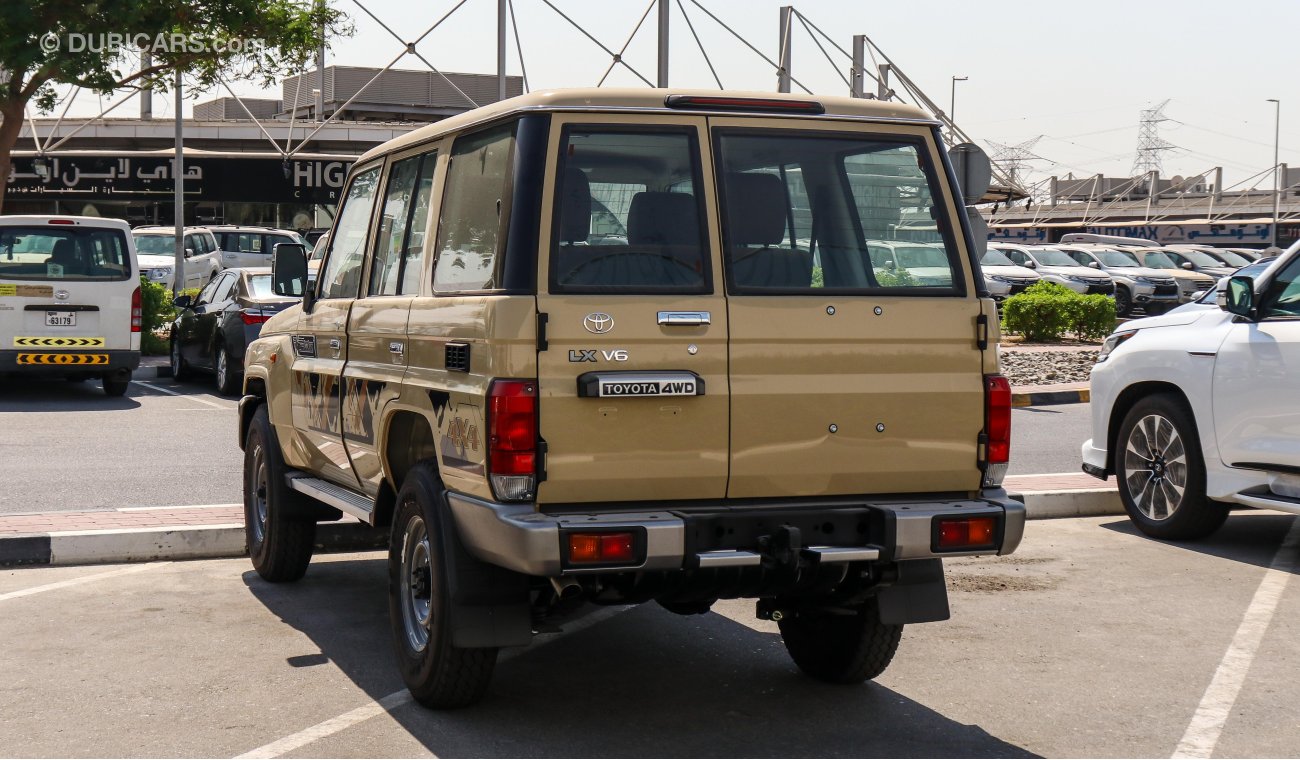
{"x":97,"y":547}
{"x":94,"y":547}
{"x":1047,"y":398}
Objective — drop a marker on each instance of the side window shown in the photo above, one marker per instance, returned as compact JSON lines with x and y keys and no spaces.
{"x":413,"y":253}
{"x":192,"y":246}
{"x":225,"y":289}
{"x":1080,"y":257}
{"x":341,"y":275}
{"x":1017,"y":257}
{"x":406,"y":206}
{"x":205,"y":295}
{"x":626,"y":218}
{"x":269,"y":242}
{"x":469,"y":227}
{"x":1283,"y":297}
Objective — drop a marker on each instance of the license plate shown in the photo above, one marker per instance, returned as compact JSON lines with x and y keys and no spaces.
{"x":60,"y":319}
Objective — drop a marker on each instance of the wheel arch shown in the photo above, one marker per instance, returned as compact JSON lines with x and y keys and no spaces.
{"x":254,"y":396}
{"x":1128,"y":398}
{"x":408,"y":439}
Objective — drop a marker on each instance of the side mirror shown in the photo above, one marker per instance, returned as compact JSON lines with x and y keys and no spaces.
{"x":1239,"y":296}
{"x":182,"y":301}
{"x":1031,"y":264}
{"x":189,"y":253}
{"x":1188,"y":266}
{"x":289,"y":271}
{"x":973,"y":169}
{"x":1094,"y":265}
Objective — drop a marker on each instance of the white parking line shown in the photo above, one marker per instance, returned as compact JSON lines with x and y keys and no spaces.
{"x":397,"y":699}
{"x":178,"y":506}
{"x":186,"y":396}
{"x":1216,"y":705}
{"x":81,"y":580}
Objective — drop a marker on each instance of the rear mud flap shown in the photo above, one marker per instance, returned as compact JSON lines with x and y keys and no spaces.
{"x":918,"y":596}
{"x":490,"y":604}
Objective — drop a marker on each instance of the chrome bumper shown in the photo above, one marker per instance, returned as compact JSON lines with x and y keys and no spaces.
{"x":517,"y":537}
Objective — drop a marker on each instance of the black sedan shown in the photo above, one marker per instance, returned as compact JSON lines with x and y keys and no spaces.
{"x":213,"y":329}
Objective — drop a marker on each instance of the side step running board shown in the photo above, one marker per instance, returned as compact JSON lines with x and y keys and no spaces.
{"x":823,"y":554}
{"x":336,"y":496}
{"x":1269,"y":501}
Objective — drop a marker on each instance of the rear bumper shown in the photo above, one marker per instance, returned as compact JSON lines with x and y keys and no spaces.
{"x":40,"y":361}
{"x":517,"y":537}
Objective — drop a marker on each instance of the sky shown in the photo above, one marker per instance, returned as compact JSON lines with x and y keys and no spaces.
{"x":1075,"y":73}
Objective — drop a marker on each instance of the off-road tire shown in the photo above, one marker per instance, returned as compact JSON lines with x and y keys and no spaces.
{"x":840,"y":648}
{"x":180,"y":368}
{"x":1168,"y":514}
{"x":116,"y":386}
{"x":279,"y":538}
{"x":439,"y":674}
{"x":229,"y":380}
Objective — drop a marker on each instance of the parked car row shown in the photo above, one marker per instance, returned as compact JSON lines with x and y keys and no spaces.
{"x":208,"y":250}
{"x":1136,"y":273}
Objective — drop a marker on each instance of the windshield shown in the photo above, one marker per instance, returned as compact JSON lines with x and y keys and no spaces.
{"x":1234,"y":259}
{"x":156,"y":244}
{"x":63,"y":253}
{"x":1050,"y":257}
{"x":916,"y":256}
{"x":1158,"y":260}
{"x":1199,"y":259}
{"x":995,"y":258}
{"x":1117,"y":259}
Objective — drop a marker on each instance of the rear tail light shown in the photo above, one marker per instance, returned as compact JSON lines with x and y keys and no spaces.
{"x":137,"y":311}
{"x":603,"y":548}
{"x":512,"y":441}
{"x":253,"y":316}
{"x":997,"y":429}
{"x":965,"y":533}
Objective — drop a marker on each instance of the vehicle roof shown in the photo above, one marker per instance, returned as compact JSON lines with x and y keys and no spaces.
{"x":80,"y":221}
{"x":643,"y":99}
{"x":161,"y":230}
{"x":251,"y":227}
{"x":249,"y":270}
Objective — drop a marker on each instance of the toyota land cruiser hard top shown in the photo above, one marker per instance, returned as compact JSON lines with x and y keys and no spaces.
{"x":620,"y":346}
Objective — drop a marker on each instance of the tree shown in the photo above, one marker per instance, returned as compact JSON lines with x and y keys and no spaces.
{"x":96,"y":45}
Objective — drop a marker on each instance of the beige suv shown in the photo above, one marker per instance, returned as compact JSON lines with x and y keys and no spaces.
{"x":620,"y":346}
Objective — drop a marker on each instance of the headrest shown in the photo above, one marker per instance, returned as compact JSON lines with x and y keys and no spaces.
{"x":575,"y":206}
{"x":663,"y":219}
{"x":756,"y":209}
{"x":64,"y":251}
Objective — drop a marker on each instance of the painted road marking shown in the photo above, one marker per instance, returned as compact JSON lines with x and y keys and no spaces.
{"x":1207,"y":723}
{"x":188,"y":396}
{"x":184,"y":506}
{"x":397,"y":699}
{"x":81,"y":580}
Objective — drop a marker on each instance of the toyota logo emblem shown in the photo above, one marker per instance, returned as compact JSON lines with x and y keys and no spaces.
{"x":598,"y":323}
{"x":62,"y":295}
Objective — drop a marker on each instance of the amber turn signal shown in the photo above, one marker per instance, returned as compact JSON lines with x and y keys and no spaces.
{"x":601,"y":548}
{"x":967,"y":533}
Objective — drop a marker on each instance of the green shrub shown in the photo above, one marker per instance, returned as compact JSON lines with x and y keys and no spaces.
{"x":1046,"y":311}
{"x":156,"y":313}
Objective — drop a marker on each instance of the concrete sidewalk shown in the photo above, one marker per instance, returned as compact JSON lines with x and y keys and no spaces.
{"x":139,"y":534}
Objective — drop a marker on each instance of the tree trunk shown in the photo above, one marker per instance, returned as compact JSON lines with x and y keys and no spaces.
{"x":11,"y":123}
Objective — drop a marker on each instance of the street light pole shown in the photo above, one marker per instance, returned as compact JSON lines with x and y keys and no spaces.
{"x":952,"y":107}
{"x":1277,"y":131}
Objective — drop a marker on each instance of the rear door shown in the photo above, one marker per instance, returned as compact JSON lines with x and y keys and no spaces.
{"x":633,"y":375}
{"x":848,"y":375}
{"x":65,"y":287}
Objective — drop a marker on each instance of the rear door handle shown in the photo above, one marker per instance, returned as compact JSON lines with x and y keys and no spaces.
{"x":396,"y":348}
{"x":684,"y":318}
{"x":336,"y":344}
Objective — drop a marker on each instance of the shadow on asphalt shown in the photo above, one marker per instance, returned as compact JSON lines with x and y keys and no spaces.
{"x":1037,"y":409}
{"x":644,"y":683}
{"x":1248,"y":536}
{"x":44,"y":394}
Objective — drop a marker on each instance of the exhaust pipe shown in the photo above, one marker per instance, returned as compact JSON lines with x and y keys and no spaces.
{"x":566,"y":589}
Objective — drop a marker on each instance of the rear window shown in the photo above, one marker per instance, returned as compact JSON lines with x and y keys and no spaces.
{"x":816,"y":212}
{"x":627,"y":215}
{"x":259,"y":287}
{"x":63,"y":253}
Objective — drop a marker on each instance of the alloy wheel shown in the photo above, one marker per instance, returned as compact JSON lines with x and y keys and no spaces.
{"x":1155,"y":467}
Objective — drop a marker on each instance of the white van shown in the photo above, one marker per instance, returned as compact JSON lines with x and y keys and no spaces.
{"x":69,"y":299}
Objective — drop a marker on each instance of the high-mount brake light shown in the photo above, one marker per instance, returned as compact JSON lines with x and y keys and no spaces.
{"x":512,"y":438}
{"x":997,"y":429}
{"x":717,"y":103}
{"x":61,"y":221}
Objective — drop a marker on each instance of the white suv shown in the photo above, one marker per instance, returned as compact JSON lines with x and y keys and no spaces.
{"x":157,"y":251}
{"x":243,"y":246}
{"x":1195,"y":411}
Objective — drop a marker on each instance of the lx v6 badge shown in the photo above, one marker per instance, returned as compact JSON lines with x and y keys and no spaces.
{"x":589,"y":355}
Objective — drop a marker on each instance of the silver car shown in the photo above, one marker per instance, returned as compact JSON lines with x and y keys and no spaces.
{"x":1151,"y":289}
{"x":1056,"y":266}
{"x":1003,"y":277}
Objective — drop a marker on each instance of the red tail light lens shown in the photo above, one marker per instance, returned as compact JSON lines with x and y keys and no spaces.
{"x":966,"y":533}
{"x":512,"y":442}
{"x":997,"y":400}
{"x":585,"y":548}
{"x":253,"y":317}
{"x":137,"y":311}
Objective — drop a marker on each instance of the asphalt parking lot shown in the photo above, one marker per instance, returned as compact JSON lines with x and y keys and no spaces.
{"x":1090,"y":641}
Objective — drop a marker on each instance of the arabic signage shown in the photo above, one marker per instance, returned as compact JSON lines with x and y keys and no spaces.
{"x":1228,"y":235}
{"x":129,"y":177}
